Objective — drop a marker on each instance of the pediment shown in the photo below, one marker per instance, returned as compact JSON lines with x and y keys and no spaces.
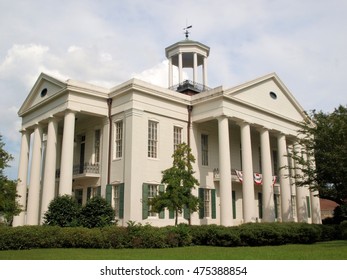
{"x":44,"y":89}
{"x":269,"y":94}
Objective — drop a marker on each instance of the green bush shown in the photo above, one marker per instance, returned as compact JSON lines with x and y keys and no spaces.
{"x":62,"y":211}
{"x":96,"y":213}
{"x":146,"y":236}
{"x":343,"y":230}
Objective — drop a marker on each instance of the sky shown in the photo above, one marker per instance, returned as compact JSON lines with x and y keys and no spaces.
{"x":107,"y":42}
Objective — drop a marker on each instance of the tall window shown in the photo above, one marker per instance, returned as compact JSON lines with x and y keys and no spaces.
{"x":97,"y":146}
{"x":275,"y":162}
{"x":204,"y":149}
{"x":152,"y":192}
{"x":118,"y":139}
{"x":79,"y":196}
{"x":152,"y":139}
{"x":177,"y":136}
{"x":207,"y":203}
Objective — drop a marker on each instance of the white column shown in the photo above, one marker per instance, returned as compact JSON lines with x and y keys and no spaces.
{"x":35,"y":177}
{"x":315,"y":206}
{"x":180,"y":66}
{"x":247,"y":174}
{"x":226,"y":215}
{"x":284,"y":179}
{"x":268,"y":193}
{"x":48,"y":189}
{"x":170,"y":78}
{"x":22,"y":177}
{"x":66,"y":168}
{"x":205,"y":72}
{"x":195,"y":67}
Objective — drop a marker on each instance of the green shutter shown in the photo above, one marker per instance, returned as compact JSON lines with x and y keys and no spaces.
{"x":308,"y":207}
{"x":260,"y":205}
{"x":233,"y":195}
{"x":109,"y":194}
{"x":171,"y":214}
{"x":144,"y":201}
{"x":162,"y":213}
{"x":213,"y":203}
{"x":186,"y":213}
{"x":121,"y":201}
{"x":201,"y":198}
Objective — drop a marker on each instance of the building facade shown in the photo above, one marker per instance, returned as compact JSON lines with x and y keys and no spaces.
{"x":84,"y":140}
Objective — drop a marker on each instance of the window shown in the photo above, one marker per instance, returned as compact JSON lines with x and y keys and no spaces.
{"x":204,"y":149}
{"x":177,"y":136}
{"x":207,"y":202}
{"x":275,"y":162}
{"x":118,"y":151}
{"x":260,"y":205}
{"x":79,"y":196}
{"x":97,"y":146}
{"x":152,"y":192}
{"x":152,"y":139}
{"x":208,"y":209}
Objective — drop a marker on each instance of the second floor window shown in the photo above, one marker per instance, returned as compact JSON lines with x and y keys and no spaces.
{"x":177,"y":136}
{"x":204,"y":149}
{"x":97,"y":146}
{"x":118,"y":139}
{"x":152,"y":139}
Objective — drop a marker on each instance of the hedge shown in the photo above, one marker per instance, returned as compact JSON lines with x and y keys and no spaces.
{"x":139,"y":236}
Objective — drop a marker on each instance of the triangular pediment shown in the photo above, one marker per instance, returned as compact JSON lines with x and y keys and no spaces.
{"x":269,"y":94}
{"x":44,"y":89}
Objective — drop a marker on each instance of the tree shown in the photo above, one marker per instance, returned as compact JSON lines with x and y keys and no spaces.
{"x":62,"y":211}
{"x":97,"y":213}
{"x":324,"y":139}
{"x":180,"y":182}
{"x":9,"y":205}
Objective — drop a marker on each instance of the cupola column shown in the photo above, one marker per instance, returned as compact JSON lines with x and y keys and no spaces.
{"x":195,"y":67}
{"x":180,"y":68}
{"x":170,"y":73}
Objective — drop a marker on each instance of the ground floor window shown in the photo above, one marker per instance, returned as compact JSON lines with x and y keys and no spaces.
{"x":79,"y":196}
{"x":293,"y":205}
{"x":308,"y":204}
{"x":260,"y":205}
{"x":208,"y":199}
{"x":277,"y":203}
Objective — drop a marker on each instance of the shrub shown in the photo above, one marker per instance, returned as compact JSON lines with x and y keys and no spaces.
{"x":62,"y":211}
{"x":96,"y":213}
{"x":343,"y":230}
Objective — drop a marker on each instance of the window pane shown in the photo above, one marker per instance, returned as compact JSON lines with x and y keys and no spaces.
{"x":152,"y":139}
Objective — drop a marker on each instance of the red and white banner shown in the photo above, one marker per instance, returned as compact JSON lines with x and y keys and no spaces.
{"x":257,"y":177}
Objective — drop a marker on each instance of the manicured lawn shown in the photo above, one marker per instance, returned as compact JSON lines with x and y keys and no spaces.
{"x":333,"y":250}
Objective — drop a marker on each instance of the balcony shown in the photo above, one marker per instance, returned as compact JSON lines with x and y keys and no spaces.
{"x":189,"y":87}
{"x":83,"y":170}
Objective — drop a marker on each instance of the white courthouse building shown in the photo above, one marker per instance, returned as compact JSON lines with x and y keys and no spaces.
{"x":84,"y":140}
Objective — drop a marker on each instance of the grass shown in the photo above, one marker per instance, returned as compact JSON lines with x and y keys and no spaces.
{"x":332,"y":250}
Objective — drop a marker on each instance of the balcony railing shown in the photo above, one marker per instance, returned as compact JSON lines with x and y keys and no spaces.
{"x":189,"y":85}
{"x":88,"y":169}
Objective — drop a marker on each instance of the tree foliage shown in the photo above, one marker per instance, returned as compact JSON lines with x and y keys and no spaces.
{"x":96,"y":213}
{"x":324,"y":139}
{"x":180,"y":182}
{"x":62,"y":211}
{"x":9,"y":206}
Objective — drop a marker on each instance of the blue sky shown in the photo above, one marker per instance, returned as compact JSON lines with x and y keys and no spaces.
{"x":107,"y":42}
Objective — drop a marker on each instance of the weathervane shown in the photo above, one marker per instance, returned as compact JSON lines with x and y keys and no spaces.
{"x":186,"y":30}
